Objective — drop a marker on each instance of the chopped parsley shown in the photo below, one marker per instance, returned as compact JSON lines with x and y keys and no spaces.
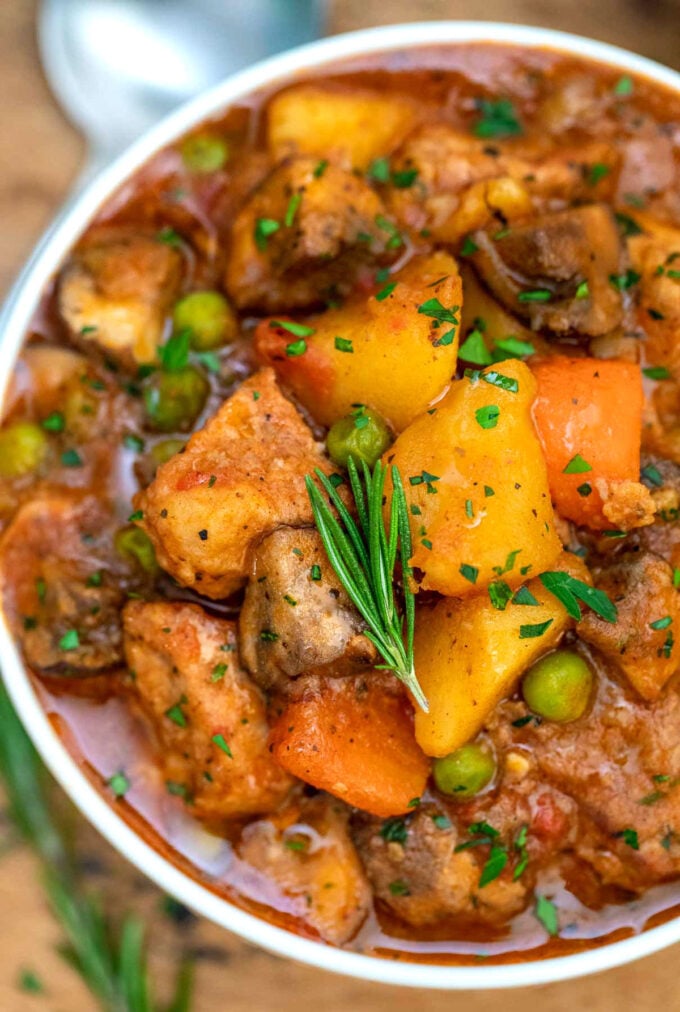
{"x":474,"y":349}
{"x":500,"y":594}
{"x":537,"y":295}
{"x":656,"y":372}
{"x":545,"y":911}
{"x":70,"y":640}
{"x":661,"y":623}
{"x":54,"y":422}
{"x":344,"y":344}
{"x":176,"y":714}
{"x":577,"y":465}
{"x":264,"y":228}
{"x":394,"y":830}
{"x":629,"y":837}
{"x":487,"y":417}
{"x":385,"y":292}
{"x":469,"y":573}
{"x":296,"y":348}
{"x":219,"y":740}
{"x":622,"y":282}
{"x":296,"y":329}
{"x":119,"y":784}
{"x":569,"y":591}
{"x":174,"y":354}
{"x":292,"y":209}
{"x":497,"y":118}
{"x":71,"y":458}
{"x":514,"y":347}
{"x":530,"y":632}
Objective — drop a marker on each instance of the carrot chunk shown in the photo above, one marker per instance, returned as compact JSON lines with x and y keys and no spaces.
{"x":355,"y":742}
{"x":588,"y":413}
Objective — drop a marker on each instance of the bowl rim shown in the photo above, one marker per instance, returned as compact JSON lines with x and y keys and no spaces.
{"x":14,"y":320}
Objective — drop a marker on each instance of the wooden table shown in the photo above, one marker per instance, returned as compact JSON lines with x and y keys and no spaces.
{"x":39,"y":155}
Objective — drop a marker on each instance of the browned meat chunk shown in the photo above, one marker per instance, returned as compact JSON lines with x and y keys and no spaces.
{"x":621,"y":765}
{"x":238,"y":478}
{"x":207,"y":718}
{"x":306,"y":851}
{"x":296,"y":617}
{"x":116,"y":291}
{"x":557,"y":256}
{"x":416,"y":871}
{"x":64,"y":585}
{"x":462,"y":183}
{"x":323,"y":228}
{"x":642,"y":641}
{"x":655,"y":255}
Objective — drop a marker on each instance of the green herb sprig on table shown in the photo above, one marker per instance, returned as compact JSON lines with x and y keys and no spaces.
{"x":364,"y":553}
{"x":111,"y":959}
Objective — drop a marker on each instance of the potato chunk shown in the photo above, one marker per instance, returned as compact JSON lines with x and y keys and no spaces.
{"x":292,"y":591}
{"x":116,"y":292}
{"x":325,"y":230}
{"x":207,"y":718}
{"x":469,"y":655}
{"x":389,"y":352}
{"x":356,"y":125}
{"x":477,"y":485}
{"x":238,"y":478}
{"x":307,"y":851}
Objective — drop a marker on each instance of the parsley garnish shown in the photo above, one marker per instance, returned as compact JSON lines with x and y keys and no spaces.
{"x":474,"y":349}
{"x":174,"y":354}
{"x":344,"y":344}
{"x":296,"y":329}
{"x":394,"y":830}
{"x":546,"y":912}
{"x":530,"y":632}
{"x":569,"y":591}
{"x":488,"y":416}
{"x":538,"y":295}
{"x":624,"y":281}
{"x":497,"y":119}
{"x":469,"y":573}
{"x":577,"y":465}
{"x":264,"y":228}
{"x":70,"y":640}
{"x":219,"y":740}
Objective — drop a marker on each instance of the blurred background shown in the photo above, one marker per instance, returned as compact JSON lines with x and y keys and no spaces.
{"x":40,"y":156}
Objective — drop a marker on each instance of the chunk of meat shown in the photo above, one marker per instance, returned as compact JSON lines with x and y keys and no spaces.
{"x":238,"y":479}
{"x":296,"y":617}
{"x":323,"y":229}
{"x":116,"y":290}
{"x":306,"y":851}
{"x":416,"y":871}
{"x":353,"y":126}
{"x":64,"y":584}
{"x":464,"y":183}
{"x":641,"y":641}
{"x":207,"y":719}
{"x":556,"y":255}
{"x":655,"y":255}
{"x":621,"y":765}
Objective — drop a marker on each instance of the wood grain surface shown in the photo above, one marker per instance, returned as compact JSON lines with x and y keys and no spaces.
{"x":39,"y":155}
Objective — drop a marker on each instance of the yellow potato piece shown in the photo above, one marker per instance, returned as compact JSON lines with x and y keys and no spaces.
{"x":469,"y":656}
{"x":359,"y":124}
{"x":400,"y":359}
{"x":479,"y":488}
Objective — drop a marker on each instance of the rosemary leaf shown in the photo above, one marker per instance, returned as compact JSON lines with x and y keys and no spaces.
{"x":364,"y":556}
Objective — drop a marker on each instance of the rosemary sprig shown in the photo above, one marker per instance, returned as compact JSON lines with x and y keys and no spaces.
{"x":364,"y":552}
{"x":111,"y":961}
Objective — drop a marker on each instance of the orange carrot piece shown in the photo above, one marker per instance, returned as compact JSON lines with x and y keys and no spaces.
{"x":588,"y":414}
{"x":356,"y":743}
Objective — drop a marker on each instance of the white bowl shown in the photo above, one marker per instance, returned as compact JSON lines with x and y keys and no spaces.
{"x":14,"y":322}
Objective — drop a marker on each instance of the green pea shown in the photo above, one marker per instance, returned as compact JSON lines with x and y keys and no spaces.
{"x":174,"y":400}
{"x":558,"y":686}
{"x":133,"y":544}
{"x":23,"y":448}
{"x":465,"y":772}
{"x":166,"y":449}
{"x":209,"y":318}
{"x":363,"y":435}
{"x":204,"y":152}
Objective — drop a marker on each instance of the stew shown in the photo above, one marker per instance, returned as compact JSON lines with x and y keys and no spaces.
{"x":339,"y":492}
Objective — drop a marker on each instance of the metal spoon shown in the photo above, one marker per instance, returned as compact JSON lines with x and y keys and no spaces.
{"x":117,"y":66}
